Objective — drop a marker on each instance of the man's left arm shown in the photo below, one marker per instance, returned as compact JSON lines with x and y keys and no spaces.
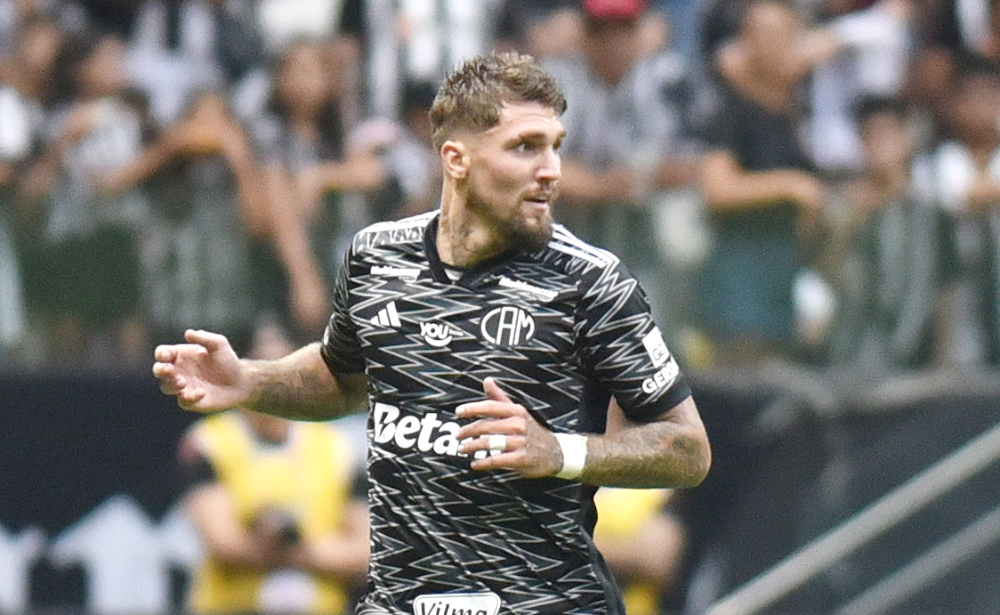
{"x":670,"y":451}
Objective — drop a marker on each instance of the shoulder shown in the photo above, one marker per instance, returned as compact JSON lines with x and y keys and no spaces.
{"x":406,"y":231}
{"x":576,"y":254}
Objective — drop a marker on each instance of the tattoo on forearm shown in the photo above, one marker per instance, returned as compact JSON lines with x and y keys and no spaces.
{"x":298,"y":388}
{"x":649,"y":456}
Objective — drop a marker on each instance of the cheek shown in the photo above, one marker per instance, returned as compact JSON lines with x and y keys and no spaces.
{"x":497,"y":180}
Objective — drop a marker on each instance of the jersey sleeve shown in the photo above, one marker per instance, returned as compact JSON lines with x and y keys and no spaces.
{"x":341,"y":349}
{"x":623,"y":349}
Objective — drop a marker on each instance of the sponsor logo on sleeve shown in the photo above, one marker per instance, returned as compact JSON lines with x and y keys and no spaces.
{"x":664,"y":377}
{"x":668,"y":370}
{"x":656,"y":348}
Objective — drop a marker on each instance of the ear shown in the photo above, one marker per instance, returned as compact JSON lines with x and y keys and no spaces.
{"x":455,"y":159}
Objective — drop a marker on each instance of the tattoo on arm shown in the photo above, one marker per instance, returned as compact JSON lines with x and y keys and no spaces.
{"x":664,"y":453}
{"x":301,"y":387}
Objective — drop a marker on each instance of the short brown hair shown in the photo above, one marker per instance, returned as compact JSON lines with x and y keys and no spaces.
{"x":473,"y":94}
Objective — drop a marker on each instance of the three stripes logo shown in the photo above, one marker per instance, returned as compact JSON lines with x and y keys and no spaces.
{"x":387,"y":317}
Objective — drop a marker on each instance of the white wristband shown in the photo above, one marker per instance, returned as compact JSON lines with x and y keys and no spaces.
{"x":574,"y":451}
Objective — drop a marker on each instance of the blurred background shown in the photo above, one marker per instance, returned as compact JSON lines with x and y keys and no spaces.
{"x":807,"y":190}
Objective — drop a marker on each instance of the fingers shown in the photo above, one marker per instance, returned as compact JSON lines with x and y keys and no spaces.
{"x":494,"y":444}
{"x":514,"y":426}
{"x":494,"y":392}
{"x":504,"y":435}
{"x":490,"y":409}
{"x":211,"y":341}
{"x":189,"y":398}
{"x":165,"y":354}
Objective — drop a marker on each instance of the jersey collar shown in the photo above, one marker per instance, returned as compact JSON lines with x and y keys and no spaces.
{"x":471,"y":276}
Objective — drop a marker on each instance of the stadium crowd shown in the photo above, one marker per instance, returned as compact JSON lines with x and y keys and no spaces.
{"x":812,"y":180}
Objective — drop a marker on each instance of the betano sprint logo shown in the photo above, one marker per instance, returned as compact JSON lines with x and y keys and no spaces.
{"x":426,"y":433}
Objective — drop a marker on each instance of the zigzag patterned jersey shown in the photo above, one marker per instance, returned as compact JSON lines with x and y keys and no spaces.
{"x":561,"y":329}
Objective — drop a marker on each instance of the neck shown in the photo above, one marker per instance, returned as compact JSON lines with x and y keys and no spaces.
{"x":464,"y":239}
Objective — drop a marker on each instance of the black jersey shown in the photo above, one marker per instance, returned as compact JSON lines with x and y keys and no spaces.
{"x":560,"y":329}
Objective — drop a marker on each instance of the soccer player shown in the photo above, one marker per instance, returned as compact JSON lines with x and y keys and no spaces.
{"x":508,"y":368}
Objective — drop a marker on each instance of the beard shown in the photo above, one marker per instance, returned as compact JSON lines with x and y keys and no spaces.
{"x":532,"y":237}
{"x":518,"y":230}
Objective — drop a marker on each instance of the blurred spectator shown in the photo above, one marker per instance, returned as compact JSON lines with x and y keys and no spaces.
{"x":889,"y":273}
{"x":762,"y":197}
{"x":946,"y":32}
{"x":542,"y":28}
{"x":642,"y":543}
{"x":283,"y":22}
{"x":419,"y":40}
{"x":27,"y":90}
{"x":962,"y":176}
{"x":339,"y":27}
{"x":309,"y":180}
{"x":178,"y":47}
{"x":874,"y":54}
{"x":31,"y":65}
{"x":404,"y":150}
{"x":209,"y":209}
{"x":84,"y":273}
{"x":277,"y":506}
{"x":626,"y":145}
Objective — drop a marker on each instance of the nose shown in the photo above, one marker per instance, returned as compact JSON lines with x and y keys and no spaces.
{"x":550,"y":167}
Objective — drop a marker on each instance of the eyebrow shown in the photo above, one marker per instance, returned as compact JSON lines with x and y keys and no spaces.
{"x":536,"y":135}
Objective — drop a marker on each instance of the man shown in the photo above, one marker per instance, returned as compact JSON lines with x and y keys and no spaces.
{"x":764,"y":203}
{"x":481,"y":506}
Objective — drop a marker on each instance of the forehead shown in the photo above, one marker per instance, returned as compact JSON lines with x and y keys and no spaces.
{"x":519,"y":118}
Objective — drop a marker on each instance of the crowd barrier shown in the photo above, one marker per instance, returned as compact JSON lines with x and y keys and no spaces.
{"x":826,"y":496}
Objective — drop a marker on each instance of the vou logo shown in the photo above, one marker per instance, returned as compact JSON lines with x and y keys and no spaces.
{"x":436,"y":334}
{"x":507,"y":326}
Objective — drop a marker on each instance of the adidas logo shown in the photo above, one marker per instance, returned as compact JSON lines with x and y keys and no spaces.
{"x":387,"y":316}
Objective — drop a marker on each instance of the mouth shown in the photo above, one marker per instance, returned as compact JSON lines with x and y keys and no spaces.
{"x":540,"y":200}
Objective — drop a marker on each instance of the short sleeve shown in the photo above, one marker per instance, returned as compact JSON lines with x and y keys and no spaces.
{"x":623,"y":348}
{"x":341,"y":349}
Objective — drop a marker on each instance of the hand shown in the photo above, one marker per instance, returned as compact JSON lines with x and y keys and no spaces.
{"x":531,"y":450}
{"x":205,"y":375}
{"x":276,"y":528}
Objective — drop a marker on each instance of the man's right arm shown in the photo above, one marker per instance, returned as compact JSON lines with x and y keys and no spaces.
{"x":205,"y":375}
{"x":300,"y":386}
